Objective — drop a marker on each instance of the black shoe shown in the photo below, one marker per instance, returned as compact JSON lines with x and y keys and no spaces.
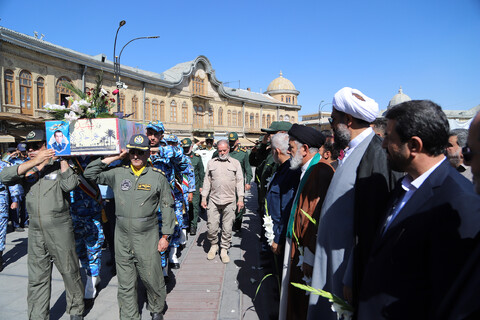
{"x":157,"y":316}
{"x":173,"y":265}
{"x":165,"y":279}
{"x":193,"y":231}
{"x":76,"y":317}
{"x":1,"y":261}
{"x":19,"y":229}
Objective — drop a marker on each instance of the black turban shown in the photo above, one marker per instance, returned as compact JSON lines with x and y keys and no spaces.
{"x":307,"y":135}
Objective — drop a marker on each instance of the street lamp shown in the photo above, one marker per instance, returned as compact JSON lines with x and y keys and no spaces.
{"x":320,"y":107}
{"x":115,"y":63}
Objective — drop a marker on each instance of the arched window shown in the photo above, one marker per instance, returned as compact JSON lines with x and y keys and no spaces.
{"x":135,"y":107}
{"x":252,"y":120}
{"x":220,"y":116}
{"x":246,"y":119}
{"x":210,"y":116}
{"x":173,"y":111}
{"x":281,"y":118}
{"x":239,"y":118}
{"x":229,"y":118}
{"x":263,"y":121}
{"x":184,"y":112}
{"x":9,"y":77}
{"x":288,"y":99}
{"x":154,"y":109}
{"x":40,"y":92}
{"x":162,"y":111}
{"x":282,"y":98}
{"x":121,"y":102}
{"x":198,"y":86}
{"x":287,"y":118}
{"x":293,"y":120}
{"x":148,"y":112}
{"x":268,"y":120}
{"x":257,"y":122}
{"x":234,"y":119}
{"x":62,"y":92}
{"x":198,"y":116}
{"x":26,"y":92}
{"x":293,"y":99}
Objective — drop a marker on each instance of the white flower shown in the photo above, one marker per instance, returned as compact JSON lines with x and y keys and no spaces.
{"x":50,"y":107}
{"x":268,"y":225}
{"x":90,"y":110}
{"x":72,"y":116}
{"x":70,"y":98}
{"x":75,"y":107}
{"x":341,"y":313}
{"x":84,"y":103}
{"x":103,"y":92}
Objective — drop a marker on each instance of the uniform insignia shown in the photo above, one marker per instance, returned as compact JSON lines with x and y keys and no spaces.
{"x":158,"y":170}
{"x":231,"y":135}
{"x":31,"y":135}
{"x":126,"y":185}
{"x":146,"y":187}
{"x":184,"y":141}
{"x":51,"y":176}
{"x":138,"y":140}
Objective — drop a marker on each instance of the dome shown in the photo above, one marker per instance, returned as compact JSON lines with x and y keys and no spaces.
{"x":398,"y":98}
{"x":280,"y":83}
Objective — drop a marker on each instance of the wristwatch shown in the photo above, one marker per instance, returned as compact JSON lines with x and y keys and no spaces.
{"x":167,"y":237}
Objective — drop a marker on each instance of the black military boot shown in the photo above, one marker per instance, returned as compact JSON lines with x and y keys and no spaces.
{"x":1,"y":261}
{"x":76,"y":317}
{"x":157,"y":316}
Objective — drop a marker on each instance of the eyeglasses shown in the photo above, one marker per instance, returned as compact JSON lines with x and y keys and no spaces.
{"x":34,"y":145}
{"x":137,"y":152}
{"x":331,"y":121}
{"x":468,"y":153}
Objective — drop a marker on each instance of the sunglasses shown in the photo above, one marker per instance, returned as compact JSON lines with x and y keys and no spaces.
{"x":468,"y":153}
{"x":331,"y":121}
{"x":34,"y":145}
{"x":137,"y":152}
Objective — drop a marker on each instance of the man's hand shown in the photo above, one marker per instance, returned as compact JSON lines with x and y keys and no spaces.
{"x":266,"y":138}
{"x":307,"y":270}
{"x":162,"y":245}
{"x":247,"y":187}
{"x":200,"y":190}
{"x":240,"y":205}
{"x":14,"y":205}
{"x":190,"y":197}
{"x":348,"y":294}
{"x":114,"y":157}
{"x":204,"y":204}
{"x":43,"y":156}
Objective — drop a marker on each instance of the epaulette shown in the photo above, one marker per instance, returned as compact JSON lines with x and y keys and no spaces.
{"x":126,"y":166}
{"x":158,"y":170}
{"x":243,"y":149}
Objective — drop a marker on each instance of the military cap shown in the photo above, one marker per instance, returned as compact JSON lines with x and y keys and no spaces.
{"x":278,"y":126}
{"x":21,"y":147}
{"x":307,"y":135}
{"x":139,"y":141}
{"x":209,"y":136}
{"x":186,"y":142}
{"x":35,"y":136}
{"x":232,"y":136}
{"x":157,"y":126}
{"x":171,"y":138}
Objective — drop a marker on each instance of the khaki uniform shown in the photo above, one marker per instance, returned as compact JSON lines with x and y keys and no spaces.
{"x":137,"y":202}
{"x":50,"y":237}
{"x":223,"y":183}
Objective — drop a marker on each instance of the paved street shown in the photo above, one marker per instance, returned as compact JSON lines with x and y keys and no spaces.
{"x":200,"y":289}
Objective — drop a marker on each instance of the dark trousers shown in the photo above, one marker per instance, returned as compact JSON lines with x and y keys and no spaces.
{"x":194,"y":210}
{"x":109,"y":226}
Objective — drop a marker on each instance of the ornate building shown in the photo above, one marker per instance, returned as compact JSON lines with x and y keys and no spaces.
{"x":188,"y":98}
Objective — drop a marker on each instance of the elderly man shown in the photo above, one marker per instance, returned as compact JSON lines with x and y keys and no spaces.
{"x":223,"y":184}
{"x":428,"y":232}
{"x":140,"y":191}
{"x":47,"y":182}
{"x":304,"y":145}
{"x":354,"y":204}
{"x":457,"y":139}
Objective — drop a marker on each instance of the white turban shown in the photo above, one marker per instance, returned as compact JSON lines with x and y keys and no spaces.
{"x":356,"y":104}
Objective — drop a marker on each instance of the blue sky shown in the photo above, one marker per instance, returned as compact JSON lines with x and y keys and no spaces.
{"x":430,"y":48}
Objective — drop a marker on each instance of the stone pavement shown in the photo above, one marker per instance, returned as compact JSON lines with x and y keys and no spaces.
{"x":200,"y":289}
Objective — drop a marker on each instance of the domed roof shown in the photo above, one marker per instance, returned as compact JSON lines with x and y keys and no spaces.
{"x":280,"y":83}
{"x":398,"y":98}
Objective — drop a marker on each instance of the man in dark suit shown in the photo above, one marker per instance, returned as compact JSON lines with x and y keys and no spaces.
{"x":428,"y":232}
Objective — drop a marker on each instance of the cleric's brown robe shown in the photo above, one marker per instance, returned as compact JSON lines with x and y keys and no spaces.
{"x":310,"y":201}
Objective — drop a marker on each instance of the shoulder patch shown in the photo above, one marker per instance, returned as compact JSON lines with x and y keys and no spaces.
{"x":126,"y":166}
{"x":243,"y":149}
{"x":158,"y":170}
{"x":197,"y":154}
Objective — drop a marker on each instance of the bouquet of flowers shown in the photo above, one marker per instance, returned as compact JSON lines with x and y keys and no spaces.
{"x":94,"y":103}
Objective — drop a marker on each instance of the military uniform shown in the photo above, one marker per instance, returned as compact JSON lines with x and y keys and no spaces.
{"x":50,"y":233}
{"x":205,"y":153}
{"x":199,"y":171}
{"x":138,"y":199}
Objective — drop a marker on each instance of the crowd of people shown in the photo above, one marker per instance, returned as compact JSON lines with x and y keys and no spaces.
{"x":381,"y":212}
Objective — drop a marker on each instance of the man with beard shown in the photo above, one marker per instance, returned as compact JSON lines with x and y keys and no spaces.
{"x":223,"y":185}
{"x":457,"y":140}
{"x":301,"y":236}
{"x":354,"y":204}
{"x":428,"y":233}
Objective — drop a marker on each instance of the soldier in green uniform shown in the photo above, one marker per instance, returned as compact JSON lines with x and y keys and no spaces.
{"x":241,"y":154}
{"x":140,"y":192}
{"x":47,"y":181}
{"x":197,"y":163}
{"x":262,"y":159}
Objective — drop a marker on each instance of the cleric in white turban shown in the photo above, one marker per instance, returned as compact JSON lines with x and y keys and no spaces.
{"x":355,"y":103}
